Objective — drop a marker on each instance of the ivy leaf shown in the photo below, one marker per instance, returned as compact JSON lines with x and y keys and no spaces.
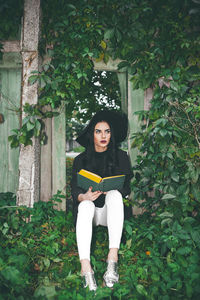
{"x":32,"y":79}
{"x":168,"y":196}
{"x":45,"y":291}
{"x":123,"y":64}
{"x":183,"y":250}
{"x":141,"y":289}
{"x":166,"y":214}
{"x":175,"y":177}
{"x":37,"y":128}
{"x":30,"y":125}
{"x":109,"y":34}
{"x":12,"y":274}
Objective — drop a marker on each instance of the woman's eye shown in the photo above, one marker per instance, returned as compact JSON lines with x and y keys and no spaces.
{"x":108,"y":131}
{"x":98,"y":131}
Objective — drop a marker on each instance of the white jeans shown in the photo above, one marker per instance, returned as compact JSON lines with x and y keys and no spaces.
{"x":110,"y":215}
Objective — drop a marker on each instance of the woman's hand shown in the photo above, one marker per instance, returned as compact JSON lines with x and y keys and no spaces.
{"x":89,"y":195}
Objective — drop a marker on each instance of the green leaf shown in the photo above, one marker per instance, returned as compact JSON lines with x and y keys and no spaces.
{"x":141,"y":290}
{"x":175,"y":177}
{"x":129,"y":229}
{"x":196,"y":236}
{"x":45,"y":291}
{"x":166,"y":214}
{"x":12,"y":274}
{"x":123,"y":64}
{"x":32,"y":79}
{"x":109,"y":34}
{"x":168,"y":196}
{"x":46,"y":262}
{"x":167,"y":221}
{"x":30,"y":125}
{"x":37,"y":128}
{"x":184,"y":250}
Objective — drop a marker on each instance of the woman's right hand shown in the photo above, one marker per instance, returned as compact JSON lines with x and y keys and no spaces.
{"x":89,"y":195}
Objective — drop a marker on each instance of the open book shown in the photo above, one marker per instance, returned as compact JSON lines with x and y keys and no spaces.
{"x":86,"y":179}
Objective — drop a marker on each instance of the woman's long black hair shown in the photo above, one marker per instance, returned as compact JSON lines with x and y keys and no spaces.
{"x":110,"y":160}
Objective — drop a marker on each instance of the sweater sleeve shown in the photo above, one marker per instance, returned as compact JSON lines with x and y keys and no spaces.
{"x":126,"y":169}
{"x":75,"y":190}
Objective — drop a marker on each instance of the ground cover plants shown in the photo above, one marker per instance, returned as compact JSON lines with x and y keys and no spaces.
{"x":159,"y":259}
{"x":159,"y":254}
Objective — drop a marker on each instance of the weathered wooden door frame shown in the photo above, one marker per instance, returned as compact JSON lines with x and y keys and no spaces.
{"x":134,"y":100}
{"x":10,"y":67}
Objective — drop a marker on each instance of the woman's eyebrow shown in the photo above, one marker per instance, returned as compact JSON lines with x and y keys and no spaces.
{"x":102,"y":129}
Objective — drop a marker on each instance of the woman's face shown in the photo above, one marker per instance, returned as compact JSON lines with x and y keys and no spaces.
{"x":102,"y":134}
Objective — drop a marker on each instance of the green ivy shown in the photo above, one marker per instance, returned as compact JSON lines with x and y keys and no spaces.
{"x":154,"y":40}
{"x":39,"y":258}
{"x":11,"y":13}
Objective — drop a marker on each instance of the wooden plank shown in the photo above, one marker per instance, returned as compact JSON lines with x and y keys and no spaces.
{"x":14,"y":91}
{"x":46,"y":165}
{"x":59,"y":156}
{"x":10,"y":99}
{"x":11,"y":60}
{"x":135,"y":103}
{"x":111,"y":65}
{"x":122,"y":77}
{"x":3,"y":134}
{"x":11,"y":46}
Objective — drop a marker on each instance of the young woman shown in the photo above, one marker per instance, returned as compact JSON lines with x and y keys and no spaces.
{"x":102,"y":156}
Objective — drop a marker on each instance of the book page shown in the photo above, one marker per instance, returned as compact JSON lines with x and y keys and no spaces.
{"x":90,"y":175}
{"x":113,"y":176}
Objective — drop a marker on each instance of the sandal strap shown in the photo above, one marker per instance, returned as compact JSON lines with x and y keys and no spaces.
{"x":89,"y":280}
{"x":111,"y":275}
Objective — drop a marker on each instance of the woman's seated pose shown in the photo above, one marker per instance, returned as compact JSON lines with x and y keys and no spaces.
{"x":101,"y":138}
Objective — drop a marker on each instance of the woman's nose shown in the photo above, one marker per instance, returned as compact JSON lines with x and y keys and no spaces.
{"x":103,"y":134}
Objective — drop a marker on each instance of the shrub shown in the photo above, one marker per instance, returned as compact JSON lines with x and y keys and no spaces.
{"x":39,"y":259}
{"x":69,"y":163}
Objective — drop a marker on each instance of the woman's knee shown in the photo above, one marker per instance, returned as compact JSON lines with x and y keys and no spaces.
{"x":114,"y":196}
{"x":86,"y":207}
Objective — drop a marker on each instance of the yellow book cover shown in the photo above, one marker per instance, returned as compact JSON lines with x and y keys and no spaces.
{"x":86,"y":179}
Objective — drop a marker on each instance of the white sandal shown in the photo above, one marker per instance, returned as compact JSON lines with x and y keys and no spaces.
{"x":89,"y":280}
{"x":111,"y":275}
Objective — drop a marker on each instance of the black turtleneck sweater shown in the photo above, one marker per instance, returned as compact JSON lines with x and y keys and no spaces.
{"x":123,"y":167}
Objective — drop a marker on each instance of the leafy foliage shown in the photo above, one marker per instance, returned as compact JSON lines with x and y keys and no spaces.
{"x":39,"y":259}
{"x":100,"y":91}
{"x":69,"y":163}
{"x":153,"y":40}
{"x":11,"y":13}
{"x":158,"y":43}
{"x":32,"y":125}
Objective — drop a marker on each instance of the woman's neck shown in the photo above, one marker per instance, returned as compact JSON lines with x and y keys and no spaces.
{"x":100,"y":149}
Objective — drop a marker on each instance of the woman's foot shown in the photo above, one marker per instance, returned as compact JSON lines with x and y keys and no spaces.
{"x":111,"y":275}
{"x":88,"y":275}
{"x":89,"y":281}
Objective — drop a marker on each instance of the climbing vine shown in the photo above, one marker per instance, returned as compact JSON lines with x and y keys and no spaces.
{"x":11,"y":13}
{"x":158,"y":43}
{"x":153,"y":40}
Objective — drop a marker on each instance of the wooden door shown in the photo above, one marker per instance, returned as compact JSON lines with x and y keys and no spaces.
{"x":10,"y":87}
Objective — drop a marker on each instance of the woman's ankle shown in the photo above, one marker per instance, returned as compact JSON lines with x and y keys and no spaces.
{"x":85,"y":266}
{"x":113,"y":254}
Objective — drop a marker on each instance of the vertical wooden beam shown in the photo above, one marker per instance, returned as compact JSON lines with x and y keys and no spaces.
{"x":123,"y":84}
{"x":29,"y":158}
{"x":46,"y":164}
{"x":59,"y":156}
{"x":4,"y":131}
{"x":135,"y":103}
